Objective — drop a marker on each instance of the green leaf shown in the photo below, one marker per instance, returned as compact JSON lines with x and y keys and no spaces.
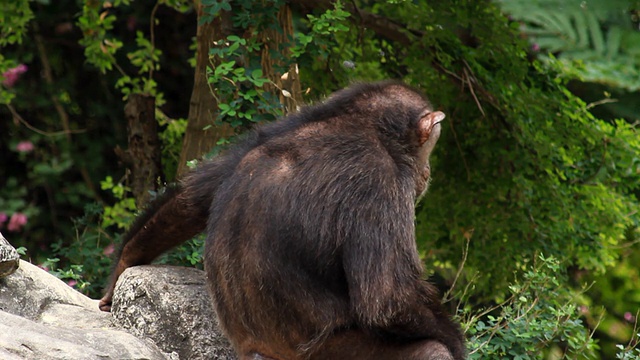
{"x":257,"y":73}
{"x":597,"y":37}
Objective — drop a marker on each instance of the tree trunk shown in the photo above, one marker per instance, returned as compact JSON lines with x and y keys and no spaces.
{"x":275,"y":38}
{"x":201,"y":134}
{"x":143,"y":155}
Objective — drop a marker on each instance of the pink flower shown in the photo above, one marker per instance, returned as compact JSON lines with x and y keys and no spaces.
{"x":535,"y":47}
{"x":41,"y":266}
{"x":3,"y":218}
{"x":25,"y":146}
{"x":72,"y":283}
{"x":17,"y":221}
{"x":629,"y":317}
{"x":12,"y":75}
{"x":109,"y":249}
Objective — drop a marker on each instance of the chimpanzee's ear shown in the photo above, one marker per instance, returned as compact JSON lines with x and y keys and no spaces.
{"x":426,"y":123}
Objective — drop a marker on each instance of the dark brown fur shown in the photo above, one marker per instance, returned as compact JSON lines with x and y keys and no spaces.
{"x":310,"y":250}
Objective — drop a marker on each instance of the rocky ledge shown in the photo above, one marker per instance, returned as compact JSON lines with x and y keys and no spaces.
{"x":159,"y":312}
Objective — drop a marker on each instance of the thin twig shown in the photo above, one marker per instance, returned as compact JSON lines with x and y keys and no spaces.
{"x":465,"y":252}
{"x":600,"y":318}
{"x":464,"y":160}
{"x":62,"y":113}
{"x":626,"y":245}
{"x":468,"y":78}
{"x":152,"y":35}
{"x":48,"y":77}
{"x":20,"y":119}
{"x":600,"y":102}
{"x":449,"y":72}
{"x":117,"y":66}
{"x":634,"y":340}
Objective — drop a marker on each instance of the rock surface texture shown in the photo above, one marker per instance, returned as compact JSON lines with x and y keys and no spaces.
{"x":170,"y":305}
{"x":21,"y":338}
{"x":9,"y":258}
{"x":159,"y":312}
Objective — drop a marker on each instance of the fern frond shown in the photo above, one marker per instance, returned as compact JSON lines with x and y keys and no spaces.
{"x":597,"y":40}
{"x":614,"y":41}
{"x":598,"y":33}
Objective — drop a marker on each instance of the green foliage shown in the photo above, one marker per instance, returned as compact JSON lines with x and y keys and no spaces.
{"x":182,"y":6}
{"x":243,"y":93}
{"x":628,"y":352}
{"x":235,"y":75}
{"x":63,"y":110}
{"x":71,"y":275}
{"x":621,"y":282}
{"x":597,"y":41}
{"x":97,"y":24}
{"x":87,"y":263}
{"x":13,"y":201}
{"x":121,"y":213}
{"x":45,"y":161}
{"x":188,"y":254}
{"x":14,"y":17}
{"x":212,"y":8}
{"x":322,"y":33}
{"x":322,"y":48}
{"x":99,"y":47}
{"x":537,"y":168}
{"x":237,"y":79}
{"x":171,"y":138}
{"x":539,"y":317}
{"x":146,"y":59}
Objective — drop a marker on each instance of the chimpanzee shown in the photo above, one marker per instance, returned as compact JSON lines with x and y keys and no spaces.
{"x":310,"y":249}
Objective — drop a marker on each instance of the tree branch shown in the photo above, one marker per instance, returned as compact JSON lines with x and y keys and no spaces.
{"x":379,"y":24}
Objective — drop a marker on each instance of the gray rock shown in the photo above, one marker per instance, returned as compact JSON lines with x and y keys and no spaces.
{"x":9,"y":258}
{"x":159,"y":312}
{"x":30,"y":290}
{"x":171,"y":306}
{"x":73,"y":316}
{"x":21,"y":338}
{"x":41,"y":317}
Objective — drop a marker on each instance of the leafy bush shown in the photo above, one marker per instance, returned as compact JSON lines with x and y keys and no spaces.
{"x":539,"y":319}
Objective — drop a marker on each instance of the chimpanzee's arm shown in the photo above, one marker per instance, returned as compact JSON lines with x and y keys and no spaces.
{"x":171,"y":219}
{"x":384,"y":273}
